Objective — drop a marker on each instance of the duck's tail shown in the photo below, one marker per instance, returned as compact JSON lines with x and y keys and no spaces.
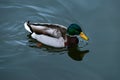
{"x":28,"y":27}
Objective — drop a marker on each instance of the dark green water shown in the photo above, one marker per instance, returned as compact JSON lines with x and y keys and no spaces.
{"x":100,"y":21}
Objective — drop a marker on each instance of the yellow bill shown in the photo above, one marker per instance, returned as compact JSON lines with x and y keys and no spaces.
{"x":83,"y":36}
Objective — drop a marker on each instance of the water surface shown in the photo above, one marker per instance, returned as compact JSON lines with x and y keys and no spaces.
{"x":99,"y":20}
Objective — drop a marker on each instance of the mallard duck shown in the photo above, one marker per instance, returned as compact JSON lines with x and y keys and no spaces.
{"x":55,"y":35}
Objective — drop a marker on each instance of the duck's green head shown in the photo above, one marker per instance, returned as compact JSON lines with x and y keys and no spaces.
{"x":75,"y":29}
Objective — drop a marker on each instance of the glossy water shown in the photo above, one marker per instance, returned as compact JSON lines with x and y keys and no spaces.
{"x":99,"y":20}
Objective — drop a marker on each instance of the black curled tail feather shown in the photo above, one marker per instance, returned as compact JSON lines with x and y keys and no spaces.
{"x":28,"y":24}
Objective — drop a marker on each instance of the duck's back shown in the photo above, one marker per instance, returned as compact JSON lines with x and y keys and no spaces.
{"x":54,"y":30}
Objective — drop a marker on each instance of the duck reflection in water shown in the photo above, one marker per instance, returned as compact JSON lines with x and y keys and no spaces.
{"x":76,"y":54}
{"x":73,"y":49}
